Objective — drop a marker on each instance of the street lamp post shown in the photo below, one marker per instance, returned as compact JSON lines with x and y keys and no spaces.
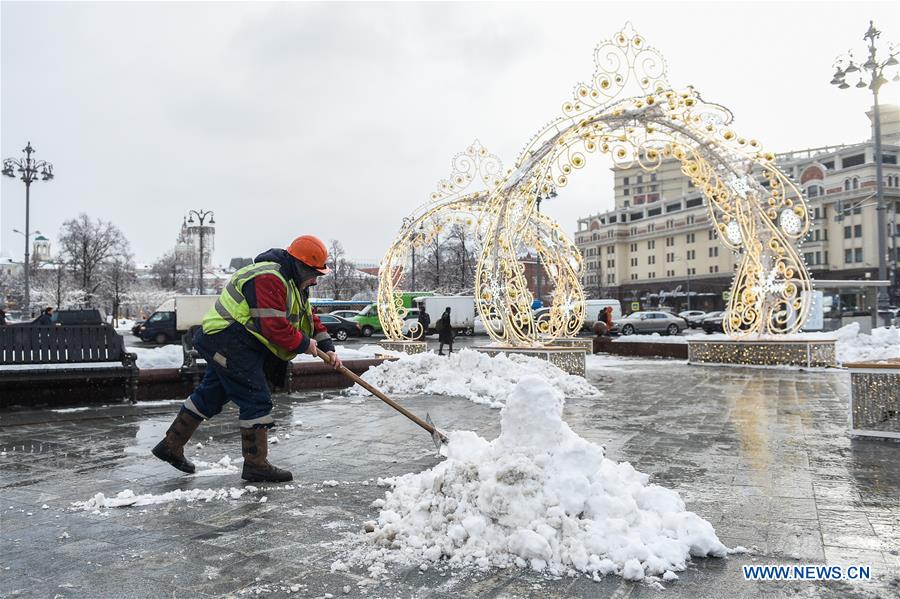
{"x":29,"y":170}
{"x":201,"y":216}
{"x":873,"y":70}
{"x":538,"y":290}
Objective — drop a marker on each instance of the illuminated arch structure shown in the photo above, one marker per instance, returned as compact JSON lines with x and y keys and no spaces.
{"x":630,"y":111}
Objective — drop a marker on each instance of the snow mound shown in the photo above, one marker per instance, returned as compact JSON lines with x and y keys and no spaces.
{"x":128,"y":498}
{"x":219,"y":468}
{"x":165,"y":356}
{"x":473,"y":375}
{"x":853,"y":346}
{"x":538,"y":496}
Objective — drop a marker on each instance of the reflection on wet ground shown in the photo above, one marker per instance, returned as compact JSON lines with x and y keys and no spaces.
{"x":762,"y":454}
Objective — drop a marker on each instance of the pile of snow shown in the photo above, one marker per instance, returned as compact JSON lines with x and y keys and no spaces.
{"x":172,"y":356}
{"x":164,"y":356}
{"x":473,"y":375}
{"x":853,"y":346}
{"x":221,"y":467}
{"x":538,"y":496}
{"x":128,"y":498}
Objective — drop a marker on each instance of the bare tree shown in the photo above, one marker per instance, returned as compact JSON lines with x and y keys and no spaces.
{"x":54,"y":286}
{"x":117,"y":277}
{"x":144,"y":297}
{"x":86,"y":245}
{"x":461,"y":258}
{"x":171,"y":272}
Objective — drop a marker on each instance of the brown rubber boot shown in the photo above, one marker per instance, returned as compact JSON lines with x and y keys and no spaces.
{"x":171,"y":448}
{"x":255,"y":448}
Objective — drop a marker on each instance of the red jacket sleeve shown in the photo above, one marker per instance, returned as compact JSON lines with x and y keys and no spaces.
{"x":270,"y":314}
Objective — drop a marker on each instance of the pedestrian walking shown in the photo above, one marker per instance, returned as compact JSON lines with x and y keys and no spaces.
{"x":260,"y":322}
{"x":424,"y":323}
{"x":445,"y":331}
{"x":45,"y":319}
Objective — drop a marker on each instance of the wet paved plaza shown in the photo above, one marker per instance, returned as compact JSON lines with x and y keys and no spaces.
{"x":762,"y":454}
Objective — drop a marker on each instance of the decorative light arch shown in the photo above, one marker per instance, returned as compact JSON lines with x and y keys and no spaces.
{"x":629,"y":111}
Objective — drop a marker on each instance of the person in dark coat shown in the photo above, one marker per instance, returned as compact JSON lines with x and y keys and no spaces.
{"x":424,"y":323}
{"x":2,"y":317}
{"x":445,"y":331}
{"x":45,"y":319}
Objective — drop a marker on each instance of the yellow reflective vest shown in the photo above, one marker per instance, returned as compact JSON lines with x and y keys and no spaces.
{"x":232,"y":306}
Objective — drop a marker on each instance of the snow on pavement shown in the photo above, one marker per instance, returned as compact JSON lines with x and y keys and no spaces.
{"x":473,"y":375}
{"x":538,"y":496}
{"x":850,"y":345}
{"x":128,"y":498}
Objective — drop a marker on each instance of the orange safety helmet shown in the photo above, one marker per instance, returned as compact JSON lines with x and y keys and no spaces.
{"x":310,"y":250}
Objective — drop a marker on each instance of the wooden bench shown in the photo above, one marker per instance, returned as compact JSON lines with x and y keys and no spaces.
{"x":57,"y":356}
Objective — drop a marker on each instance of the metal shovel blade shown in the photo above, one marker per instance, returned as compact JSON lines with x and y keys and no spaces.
{"x":437,"y":436}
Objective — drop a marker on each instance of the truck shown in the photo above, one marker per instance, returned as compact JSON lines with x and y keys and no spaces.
{"x":462,"y":310}
{"x":174,"y":317}
{"x":368,"y":316}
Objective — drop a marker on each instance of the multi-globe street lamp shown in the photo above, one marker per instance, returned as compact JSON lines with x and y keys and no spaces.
{"x":537,"y":287}
{"x":28,"y":170}
{"x":871,"y":74}
{"x":201,"y":216}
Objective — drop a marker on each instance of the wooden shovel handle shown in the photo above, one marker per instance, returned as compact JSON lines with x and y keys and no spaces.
{"x":374,"y":391}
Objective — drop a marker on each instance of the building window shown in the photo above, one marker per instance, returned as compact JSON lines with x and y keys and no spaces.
{"x":888,"y":158}
{"x":857,"y":255}
{"x":855,"y":160}
{"x":711,"y":234}
{"x":633,"y":231}
{"x":691,"y":271}
{"x":691,"y":254}
{"x":714,"y":268}
{"x":651,"y":259}
{"x":670,"y":257}
{"x":846,"y":184}
{"x":670,"y":241}
{"x":640,"y":189}
{"x":691,"y":237}
{"x":814,"y":191}
{"x":651,"y":275}
{"x":654,"y":212}
{"x":693,"y":202}
{"x":829,"y":166}
{"x":857,"y":230}
{"x":651,"y":245}
{"x":848,"y":232}
{"x":848,"y":256}
{"x":634,"y":261}
{"x":714,"y":251}
{"x":808,"y":257}
{"x":625,"y":181}
{"x":640,"y":179}
{"x":633,"y":247}
{"x":626,"y":191}
{"x":673,"y":207}
{"x":689,"y":220}
{"x":651,"y":227}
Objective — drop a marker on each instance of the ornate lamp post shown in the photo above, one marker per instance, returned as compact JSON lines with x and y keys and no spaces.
{"x":201,"y":216}
{"x":537,"y":286}
{"x":872,"y":75}
{"x":28,"y":170}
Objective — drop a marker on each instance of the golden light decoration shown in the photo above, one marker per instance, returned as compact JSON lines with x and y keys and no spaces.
{"x":630,"y":112}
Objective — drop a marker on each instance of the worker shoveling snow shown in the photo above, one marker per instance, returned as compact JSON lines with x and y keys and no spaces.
{"x":538,"y":496}
{"x":476,"y":376}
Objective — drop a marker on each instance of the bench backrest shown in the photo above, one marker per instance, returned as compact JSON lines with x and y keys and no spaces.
{"x":29,"y":344}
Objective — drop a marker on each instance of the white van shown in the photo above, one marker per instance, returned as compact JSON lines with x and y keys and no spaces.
{"x":592,"y":309}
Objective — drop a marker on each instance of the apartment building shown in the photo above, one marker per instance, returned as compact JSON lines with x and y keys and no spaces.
{"x":658,"y":246}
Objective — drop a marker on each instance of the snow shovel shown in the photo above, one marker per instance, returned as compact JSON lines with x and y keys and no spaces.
{"x":437,"y":436}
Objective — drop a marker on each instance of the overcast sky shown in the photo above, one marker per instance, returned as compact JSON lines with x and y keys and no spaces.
{"x":338,"y":119}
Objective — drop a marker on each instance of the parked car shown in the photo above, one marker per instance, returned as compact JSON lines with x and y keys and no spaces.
{"x":340,"y":328}
{"x":175,"y":317}
{"x":713,"y":323}
{"x":695,"y":320}
{"x":73,"y":317}
{"x":687,"y":314}
{"x":348,"y":314}
{"x":650,"y":322}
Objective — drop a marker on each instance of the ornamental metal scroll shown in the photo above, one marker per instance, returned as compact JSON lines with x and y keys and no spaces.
{"x":631,"y":112}
{"x":449,"y":204}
